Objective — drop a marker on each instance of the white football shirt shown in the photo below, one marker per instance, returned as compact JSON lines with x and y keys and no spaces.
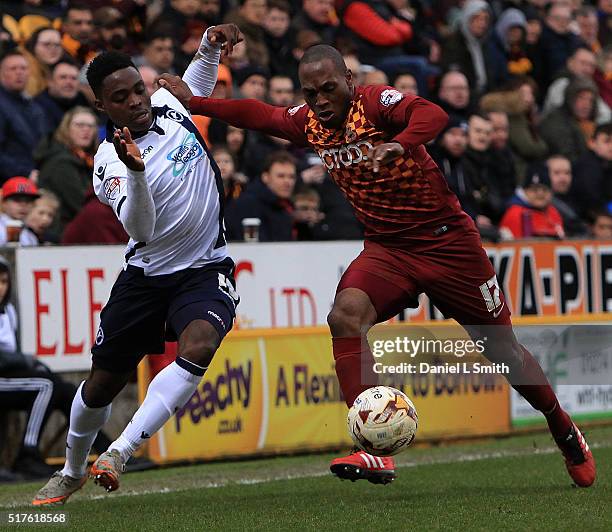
{"x":186,"y":187}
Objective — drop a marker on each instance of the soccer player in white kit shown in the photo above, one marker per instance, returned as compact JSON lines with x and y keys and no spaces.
{"x":155,"y":171}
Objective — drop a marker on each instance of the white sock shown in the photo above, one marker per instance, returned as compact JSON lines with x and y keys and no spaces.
{"x":169,"y":391}
{"x":85,"y":423}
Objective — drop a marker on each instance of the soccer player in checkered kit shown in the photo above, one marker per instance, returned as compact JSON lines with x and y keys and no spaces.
{"x":417,"y":237}
{"x":155,"y":171}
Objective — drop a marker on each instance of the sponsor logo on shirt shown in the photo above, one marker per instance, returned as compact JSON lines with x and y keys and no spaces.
{"x":112,"y":187}
{"x":146,"y":152}
{"x":390,"y":96}
{"x":100,"y":172}
{"x":189,"y":150}
{"x":347,"y":155}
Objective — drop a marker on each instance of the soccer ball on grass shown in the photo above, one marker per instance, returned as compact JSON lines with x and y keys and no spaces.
{"x":382,"y":421}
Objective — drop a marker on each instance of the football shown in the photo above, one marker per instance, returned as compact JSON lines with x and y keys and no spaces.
{"x":382,"y":421}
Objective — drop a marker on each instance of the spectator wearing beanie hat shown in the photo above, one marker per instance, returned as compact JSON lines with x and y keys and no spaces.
{"x":252,"y":81}
{"x":531,"y":213}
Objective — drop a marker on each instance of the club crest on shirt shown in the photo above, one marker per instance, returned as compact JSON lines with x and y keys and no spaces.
{"x":350,"y":134}
{"x":112,"y":186}
{"x":390,"y":96}
{"x":293,"y":110}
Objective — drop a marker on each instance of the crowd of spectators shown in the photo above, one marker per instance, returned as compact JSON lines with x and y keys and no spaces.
{"x":527,"y":85}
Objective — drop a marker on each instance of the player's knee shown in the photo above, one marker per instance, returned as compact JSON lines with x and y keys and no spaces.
{"x":200,"y":351}
{"x":96,"y":394}
{"x":344,"y":320}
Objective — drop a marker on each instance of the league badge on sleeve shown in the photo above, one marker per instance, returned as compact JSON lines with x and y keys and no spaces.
{"x":112,"y":186}
{"x":390,"y":96}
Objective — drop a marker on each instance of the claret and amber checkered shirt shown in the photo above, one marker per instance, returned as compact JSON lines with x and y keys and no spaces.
{"x":407,"y":203}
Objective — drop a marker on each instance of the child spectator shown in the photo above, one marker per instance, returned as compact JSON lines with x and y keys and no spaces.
{"x":601,"y":225}
{"x":531,"y":213}
{"x":233,"y":181}
{"x":40,"y":218}
{"x":18,"y":196}
{"x":307,"y":215}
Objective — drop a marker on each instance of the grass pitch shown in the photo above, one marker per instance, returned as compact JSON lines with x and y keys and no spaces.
{"x":518,"y":483}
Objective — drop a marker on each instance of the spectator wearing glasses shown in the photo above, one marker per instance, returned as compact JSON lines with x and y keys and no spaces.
{"x":42,"y":50}
{"x":454,"y":95}
{"x":66,"y":161}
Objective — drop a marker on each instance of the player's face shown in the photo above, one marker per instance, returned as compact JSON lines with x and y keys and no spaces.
{"x":328,"y":91}
{"x":125,"y":100}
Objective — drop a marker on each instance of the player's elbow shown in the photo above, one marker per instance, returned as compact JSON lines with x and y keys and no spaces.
{"x":141,"y":234}
{"x":140,"y":230}
{"x":438,"y":116}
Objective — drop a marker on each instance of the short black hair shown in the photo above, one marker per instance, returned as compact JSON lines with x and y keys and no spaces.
{"x":12,"y":52}
{"x":104,"y":65}
{"x":65,"y":60}
{"x":149,"y":37}
{"x":281,"y":156}
{"x":320,"y":52}
{"x":603,"y":129}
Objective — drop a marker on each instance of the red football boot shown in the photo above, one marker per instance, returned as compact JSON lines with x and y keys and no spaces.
{"x":361,"y":465}
{"x":578,"y":458}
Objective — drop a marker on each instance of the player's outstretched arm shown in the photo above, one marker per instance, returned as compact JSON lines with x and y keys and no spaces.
{"x":286,"y":123}
{"x":201,"y":74}
{"x":137,"y":213}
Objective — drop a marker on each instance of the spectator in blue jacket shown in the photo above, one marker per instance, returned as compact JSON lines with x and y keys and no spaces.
{"x":22,"y":122}
{"x":269,"y":200}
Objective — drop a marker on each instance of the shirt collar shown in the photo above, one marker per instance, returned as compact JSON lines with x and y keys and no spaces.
{"x":155,"y":127}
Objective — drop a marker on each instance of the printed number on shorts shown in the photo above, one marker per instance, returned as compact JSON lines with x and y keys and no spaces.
{"x":490,"y":293}
{"x":228,"y":289}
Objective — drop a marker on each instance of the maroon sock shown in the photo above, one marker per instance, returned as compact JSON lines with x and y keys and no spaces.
{"x":354,"y":368}
{"x":541,"y":396}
